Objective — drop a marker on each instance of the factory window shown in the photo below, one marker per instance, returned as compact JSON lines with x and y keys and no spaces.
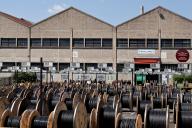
{"x":152,"y":43}
{"x":64,"y":43}
{"x":35,"y":42}
{"x":88,"y":65}
{"x":22,"y":42}
{"x":120,"y":67}
{"x":122,"y":43}
{"x":182,"y":43}
{"x":169,"y":66}
{"x":137,"y":43}
{"x":8,"y":42}
{"x":93,"y":43}
{"x":8,"y":64}
{"x":63,"y":66}
{"x":50,"y":42}
{"x":166,"y":43}
{"x":33,"y":64}
{"x":78,"y":43}
{"x":106,"y":43}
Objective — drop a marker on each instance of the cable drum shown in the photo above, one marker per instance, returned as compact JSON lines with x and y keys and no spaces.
{"x":142,"y":105}
{"x":128,"y":120}
{"x":156,"y":118}
{"x":187,"y":98}
{"x":126,"y":101}
{"x":40,"y":122}
{"x":91,"y":103}
{"x":13,"y":121}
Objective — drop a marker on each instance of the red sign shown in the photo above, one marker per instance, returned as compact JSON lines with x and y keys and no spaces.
{"x":182,"y":55}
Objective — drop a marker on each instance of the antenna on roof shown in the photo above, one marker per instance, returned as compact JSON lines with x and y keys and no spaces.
{"x":142,"y":9}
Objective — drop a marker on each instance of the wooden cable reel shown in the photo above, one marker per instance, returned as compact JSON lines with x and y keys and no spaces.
{"x":128,"y":120}
{"x":156,"y":118}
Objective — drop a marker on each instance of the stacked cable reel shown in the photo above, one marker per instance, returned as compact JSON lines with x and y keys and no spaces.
{"x":128,"y":120}
{"x":156,"y":118}
{"x":59,"y":117}
{"x":183,"y":116}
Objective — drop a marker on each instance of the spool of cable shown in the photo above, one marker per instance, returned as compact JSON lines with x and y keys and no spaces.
{"x":158,"y":102}
{"x":135,"y":95}
{"x":170,"y":101}
{"x":126,"y":101}
{"x":69,"y":103}
{"x":128,"y":120}
{"x":181,"y":107}
{"x":112,"y":101}
{"x":9,"y":120}
{"x":32,"y":118}
{"x":183,"y":118}
{"x":73,"y":119}
{"x":105,"y":115}
{"x":156,"y":118}
{"x":91,"y":102}
{"x":108,"y":115}
{"x":187,"y":98}
{"x":141,"y":107}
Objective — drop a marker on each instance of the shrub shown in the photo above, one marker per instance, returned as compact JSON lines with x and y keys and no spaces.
{"x":21,"y":77}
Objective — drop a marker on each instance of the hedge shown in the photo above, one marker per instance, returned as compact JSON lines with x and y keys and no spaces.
{"x":182,"y":78}
{"x":21,"y":77}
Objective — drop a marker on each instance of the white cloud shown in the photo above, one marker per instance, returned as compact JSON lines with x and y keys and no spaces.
{"x":57,"y":8}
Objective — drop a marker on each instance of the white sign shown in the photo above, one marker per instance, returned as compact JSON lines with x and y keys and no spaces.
{"x":102,"y":65}
{"x":25,"y":64}
{"x":146,"y":51}
{"x":129,"y":65}
{"x":100,"y":77}
{"x":164,"y":55}
{"x":75,"y":54}
{"x":48,"y":64}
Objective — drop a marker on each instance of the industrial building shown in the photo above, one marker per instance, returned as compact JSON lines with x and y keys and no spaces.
{"x":150,"y":41}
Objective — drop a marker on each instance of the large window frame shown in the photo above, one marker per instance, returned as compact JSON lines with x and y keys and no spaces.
{"x":137,"y":43}
{"x":92,"y":43}
{"x":107,"y":43}
{"x":50,"y":42}
{"x":8,"y":43}
{"x":22,"y":42}
{"x":35,"y":43}
{"x":78,"y":43}
{"x":122,"y":43}
{"x":64,"y":43}
{"x":166,"y":43}
{"x":182,"y":43}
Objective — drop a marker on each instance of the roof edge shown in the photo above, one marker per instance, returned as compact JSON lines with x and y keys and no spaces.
{"x":67,"y":10}
{"x":147,"y":12}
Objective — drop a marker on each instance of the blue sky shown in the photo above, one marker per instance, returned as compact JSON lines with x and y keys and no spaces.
{"x":111,"y":11}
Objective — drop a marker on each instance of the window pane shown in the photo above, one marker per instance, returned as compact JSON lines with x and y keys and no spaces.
{"x":78,"y":43}
{"x":120,"y":67}
{"x":152,"y":43}
{"x":8,"y":42}
{"x":54,"y":42}
{"x":64,"y":43}
{"x":50,"y":42}
{"x":166,"y":43}
{"x":36,"y":42}
{"x":107,"y":43}
{"x":122,"y":43}
{"x":46,"y":42}
{"x":22,"y":42}
{"x":92,"y":43}
{"x":182,"y":43}
{"x":137,"y":43}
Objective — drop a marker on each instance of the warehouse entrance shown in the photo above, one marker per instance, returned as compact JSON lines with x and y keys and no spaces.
{"x":143,"y":71}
